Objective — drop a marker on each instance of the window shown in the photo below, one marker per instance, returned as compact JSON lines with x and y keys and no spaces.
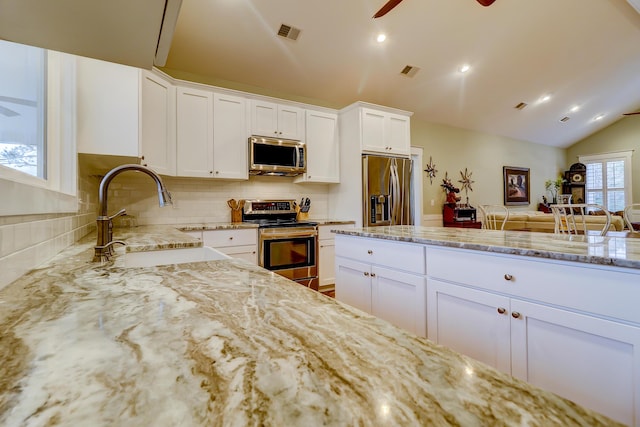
{"x":608,"y":179}
{"x":23,"y":91}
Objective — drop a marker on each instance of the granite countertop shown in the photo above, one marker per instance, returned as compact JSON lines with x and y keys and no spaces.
{"x":591,"y":249}
{"x":229,"y":343}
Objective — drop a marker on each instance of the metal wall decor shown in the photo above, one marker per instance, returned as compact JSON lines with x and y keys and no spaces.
{"x":431,"y":170}
{"x":466,"y":180}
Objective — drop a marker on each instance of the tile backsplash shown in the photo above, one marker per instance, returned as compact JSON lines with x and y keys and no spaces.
{"x":205,"y":200}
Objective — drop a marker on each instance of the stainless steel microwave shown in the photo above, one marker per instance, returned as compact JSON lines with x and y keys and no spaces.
{"x":272,"y":156}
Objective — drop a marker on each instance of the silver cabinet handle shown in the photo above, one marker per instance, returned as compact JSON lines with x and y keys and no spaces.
{"x":373,"y":274}
{"x":515,"y":315}
{"x":366,"y":273}
{"x":502,"y":310}
{"x":369,"y":251}
{"x":508,"y":277}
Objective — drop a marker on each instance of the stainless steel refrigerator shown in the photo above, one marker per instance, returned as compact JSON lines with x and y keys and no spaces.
{"x":386,"y":185}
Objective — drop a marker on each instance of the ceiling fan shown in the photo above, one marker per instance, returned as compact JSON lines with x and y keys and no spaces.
{"x":393,"y":3}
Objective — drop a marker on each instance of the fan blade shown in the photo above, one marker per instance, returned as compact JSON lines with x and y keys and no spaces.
{"x":486,"y":2}
{"x":631,"y":114}
{"x":386,"y":8}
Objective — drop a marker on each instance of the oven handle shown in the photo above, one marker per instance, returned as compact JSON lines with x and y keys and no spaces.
{"x":287,"y":234}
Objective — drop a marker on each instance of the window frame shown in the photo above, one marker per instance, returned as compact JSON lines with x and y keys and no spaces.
{"x":603,"y":158}
{"x":57,"y":192}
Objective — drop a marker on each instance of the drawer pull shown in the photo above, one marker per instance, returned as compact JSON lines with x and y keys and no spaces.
{"x":369,"y":251}
{"x":502,"y":310}
{"x":515,"y":315}
{"x":508,"y":277}
{"x":373,"y":274}
{"x":231,"y":238}
{"x":366,"y":273}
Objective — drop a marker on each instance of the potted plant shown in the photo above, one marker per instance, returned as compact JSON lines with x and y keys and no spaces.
{"x":552,"y":186}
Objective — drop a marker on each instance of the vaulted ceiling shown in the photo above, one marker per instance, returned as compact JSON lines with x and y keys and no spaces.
{"x":580,"y":53}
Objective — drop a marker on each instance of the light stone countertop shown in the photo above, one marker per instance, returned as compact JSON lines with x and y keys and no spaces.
{"x":613,"y":251}
{"x":227,"y":343}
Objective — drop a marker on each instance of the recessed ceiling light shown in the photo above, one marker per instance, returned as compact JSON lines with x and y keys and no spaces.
{"x":464,"y":68}
{"x":545,"y":98}
{"x":598,"y":117}
{"x":381,"y":38}
{"x":575,"y":108}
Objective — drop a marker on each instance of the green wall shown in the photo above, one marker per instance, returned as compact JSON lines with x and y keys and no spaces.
{"x":454,"y":149}
{"x":623,"y":135}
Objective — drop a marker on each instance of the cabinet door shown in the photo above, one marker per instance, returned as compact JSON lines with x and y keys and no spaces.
{"x":194,"y":132}
{"x":107,"y":98}
{"x":373,"y":130}
{"x":230,"y":137}
{"x":472,"y":322}
{"x":353,"y":283}
{"x":399,"y":137}
{"x":158,"y":124}
{"x":326,"y":262}
{"x":264,"y":118}
{"x":400,"y":299}
{"x":323,"y":150}
{"x":592,"y":361}
{"x":290,"y":122}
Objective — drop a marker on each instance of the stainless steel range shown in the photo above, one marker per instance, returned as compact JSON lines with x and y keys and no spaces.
{"x":285,"y":246}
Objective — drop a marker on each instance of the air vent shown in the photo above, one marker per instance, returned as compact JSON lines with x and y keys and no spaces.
{"x":565,"y":119}
{"x":409,"y":70}
{"x":289,"y":32}
{"x":521,"y":106}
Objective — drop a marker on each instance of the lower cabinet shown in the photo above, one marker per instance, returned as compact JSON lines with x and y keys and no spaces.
{"x":327,"y":254}
{"x":591,"y":359}
{"x":396,"y":296}
{"x":234,"y":242}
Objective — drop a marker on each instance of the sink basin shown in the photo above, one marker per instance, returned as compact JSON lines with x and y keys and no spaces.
{"x":172,"y":256}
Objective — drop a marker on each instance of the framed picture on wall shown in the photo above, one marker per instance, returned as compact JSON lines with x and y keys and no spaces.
{"x":516,"y":185}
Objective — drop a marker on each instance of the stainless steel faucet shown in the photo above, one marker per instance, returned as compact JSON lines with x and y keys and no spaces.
{"x":104,"y":246}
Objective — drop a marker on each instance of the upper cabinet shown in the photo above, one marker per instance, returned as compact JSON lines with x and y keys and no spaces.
{"x":157,"y":124}
{"x":323,"y":150}
{"x":385,"y":132}
{"x":277,"y":120}
{"x":211,"y":134}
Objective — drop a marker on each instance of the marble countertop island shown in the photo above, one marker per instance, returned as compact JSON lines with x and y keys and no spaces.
{"x":591,"y":249}
{"x":227,"y":343}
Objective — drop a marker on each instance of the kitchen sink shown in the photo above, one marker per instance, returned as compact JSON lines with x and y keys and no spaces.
{"x":172,"y":256}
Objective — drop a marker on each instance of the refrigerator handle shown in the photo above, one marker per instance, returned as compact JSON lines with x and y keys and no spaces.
{"x":393,"y":182}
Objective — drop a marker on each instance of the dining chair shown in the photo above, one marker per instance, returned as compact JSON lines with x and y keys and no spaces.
{"x":571,"y":218}
{"x":494,"y":217}
{"x":632,"y":217}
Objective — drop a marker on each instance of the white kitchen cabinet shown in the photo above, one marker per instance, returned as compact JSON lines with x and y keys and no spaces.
{"x":230,"y":137}
{"x":237,"y":243}
{"x":212,"y":135}
{"x":107,"y":97}
{"x":277,"y":120}
{"x":194,"y":131}
{"x":323,"y":149}
{"x":327,"y":254}
{"x":157,"y":124}
{"x":385,"y":132}
{"x":564,"y":327}
{"x":385,"y":279}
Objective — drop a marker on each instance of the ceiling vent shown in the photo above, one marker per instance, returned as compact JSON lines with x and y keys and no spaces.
{"x":409,"y":70}
{"x":521,"y":106}
{"x":288,"y":32}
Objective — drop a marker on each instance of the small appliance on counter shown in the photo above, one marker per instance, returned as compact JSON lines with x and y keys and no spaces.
{"x":287,"y":246}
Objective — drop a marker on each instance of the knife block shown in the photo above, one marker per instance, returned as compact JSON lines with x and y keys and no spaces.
{"x":301,"y":216}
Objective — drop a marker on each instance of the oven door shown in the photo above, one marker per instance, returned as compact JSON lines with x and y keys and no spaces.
{"x":290,"y":252}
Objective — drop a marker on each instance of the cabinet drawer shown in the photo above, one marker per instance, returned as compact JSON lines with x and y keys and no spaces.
{"x":399,"y":256}
{"x":605,"y":291}
{"x":223,"y":238}
{"x":324,"y":231}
